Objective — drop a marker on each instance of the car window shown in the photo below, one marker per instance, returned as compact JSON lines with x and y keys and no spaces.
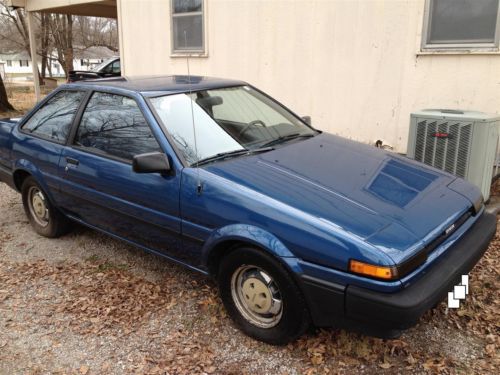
{"x":226,"y":120}
{"x":239,"y":106}
{"x":116,"y":66}
{"x":53,"y":120}
{"x":175,"y":113}
{"x":107,"y":68}
{"x":114,"y":125}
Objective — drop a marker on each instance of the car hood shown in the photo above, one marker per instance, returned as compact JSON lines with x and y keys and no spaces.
{"x":387,"y":200}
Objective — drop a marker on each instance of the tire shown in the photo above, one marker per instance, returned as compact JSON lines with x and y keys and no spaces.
{"x":45,"y":219}
{"x":261,"y":297}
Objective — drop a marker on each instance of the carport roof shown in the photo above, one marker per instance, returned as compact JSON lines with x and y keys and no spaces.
{"x":96,"y":8}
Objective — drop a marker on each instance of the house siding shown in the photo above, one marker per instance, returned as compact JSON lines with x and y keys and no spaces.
{"x":352,"y":65}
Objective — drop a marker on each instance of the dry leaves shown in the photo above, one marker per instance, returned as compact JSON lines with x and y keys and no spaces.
{"x":97,"y":300}
{"x":107,"y":301}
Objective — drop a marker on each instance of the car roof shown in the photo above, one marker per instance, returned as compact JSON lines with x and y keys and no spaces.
{"x":158,"y":85}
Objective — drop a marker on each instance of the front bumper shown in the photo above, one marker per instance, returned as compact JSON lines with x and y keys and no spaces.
{"x":386,"y":314}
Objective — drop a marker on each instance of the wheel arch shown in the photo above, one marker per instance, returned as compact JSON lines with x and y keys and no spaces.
{"x":23,"y":169}
{"x":19,"y":176}
{"x":231,"y":237}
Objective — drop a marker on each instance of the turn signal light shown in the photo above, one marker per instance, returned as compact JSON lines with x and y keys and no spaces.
{"x":379,"y":272}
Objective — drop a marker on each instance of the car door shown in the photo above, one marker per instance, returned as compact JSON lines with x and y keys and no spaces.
{"x":100,"y":186}
{"x":43,"y":134}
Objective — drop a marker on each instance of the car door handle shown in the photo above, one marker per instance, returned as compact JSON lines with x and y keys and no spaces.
{"x":72,"y":161}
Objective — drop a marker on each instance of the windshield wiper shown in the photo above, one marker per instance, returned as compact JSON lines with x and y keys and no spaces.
{"x":230,"y":154}
{"x":287,"y":137}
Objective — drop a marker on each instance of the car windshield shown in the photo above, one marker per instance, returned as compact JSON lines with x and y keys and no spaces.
{"x":228,"y":121}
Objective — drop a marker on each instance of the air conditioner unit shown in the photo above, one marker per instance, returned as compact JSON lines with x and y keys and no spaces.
{"x":463,"y":143}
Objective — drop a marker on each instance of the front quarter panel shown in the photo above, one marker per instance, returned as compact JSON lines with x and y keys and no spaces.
{"x":226,"y":211}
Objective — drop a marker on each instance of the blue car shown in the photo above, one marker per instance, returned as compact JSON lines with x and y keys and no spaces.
{"x":297,"y":226}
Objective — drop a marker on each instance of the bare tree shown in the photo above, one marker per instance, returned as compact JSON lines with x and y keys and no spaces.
{"x":45,"y":43}
{"x":95,"y":32}
{"x":14,"y":31}
{"x":4,"y":100}
{"x":57,"y":34}
{"x":62,"y":33}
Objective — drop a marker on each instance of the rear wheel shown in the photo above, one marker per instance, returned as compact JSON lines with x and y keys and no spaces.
{"x":43,"y":216}
{"x":261,"y":297}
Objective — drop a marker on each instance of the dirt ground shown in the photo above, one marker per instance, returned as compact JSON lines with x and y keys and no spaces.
{"x":88,"y":304}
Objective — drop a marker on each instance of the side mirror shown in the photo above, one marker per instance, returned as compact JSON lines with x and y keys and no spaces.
{"x":307,"y":120}
{"x":153,"y":162}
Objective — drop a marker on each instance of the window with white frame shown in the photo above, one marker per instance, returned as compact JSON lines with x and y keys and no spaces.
{"x":9,"y":63}
{"x":461,"y":24}
{"x":188,"y":26}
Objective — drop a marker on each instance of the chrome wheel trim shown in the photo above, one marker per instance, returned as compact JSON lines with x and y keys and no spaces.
{"x":256,"y":296}
{"x":37,"y":204}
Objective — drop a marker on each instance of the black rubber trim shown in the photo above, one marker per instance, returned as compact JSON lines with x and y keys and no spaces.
{"x":402,"y":309}
{"x":324,"y":299}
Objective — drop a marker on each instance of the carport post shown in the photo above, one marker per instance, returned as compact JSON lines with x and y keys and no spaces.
{"x":34,"y":60}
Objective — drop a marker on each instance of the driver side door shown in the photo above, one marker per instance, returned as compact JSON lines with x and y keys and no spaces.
{"x":100,"y":186}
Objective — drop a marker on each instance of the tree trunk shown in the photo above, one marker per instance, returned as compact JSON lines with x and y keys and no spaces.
{"x":49,"y":67}
{"x":44,"y":42}
{"x":4,"y":101}
{"x":69,"y":44}
{"x":62,"y":31}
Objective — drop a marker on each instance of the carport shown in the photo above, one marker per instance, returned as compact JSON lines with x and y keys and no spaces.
{"x":94,"y":8}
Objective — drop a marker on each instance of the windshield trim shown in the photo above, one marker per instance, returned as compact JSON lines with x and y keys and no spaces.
{"x":171,"y":141}
{"x":165,"y":131}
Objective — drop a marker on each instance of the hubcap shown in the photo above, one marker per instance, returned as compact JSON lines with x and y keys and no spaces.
{"x":38,"y":206}
{"x":256,"y":296}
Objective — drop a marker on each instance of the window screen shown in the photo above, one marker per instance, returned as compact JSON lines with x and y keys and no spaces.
{"x":462,"y":22}
{"x":187,"y":25}
{"x":114,"y":125}
{"x":53,"y":120}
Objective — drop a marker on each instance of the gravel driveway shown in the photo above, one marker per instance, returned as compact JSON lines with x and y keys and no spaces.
{"x":88,"y":304}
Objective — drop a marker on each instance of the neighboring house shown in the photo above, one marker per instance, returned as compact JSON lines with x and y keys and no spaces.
{"x":2,"y":69}
{"x":19,"y":64}
{"x":358,"y":67}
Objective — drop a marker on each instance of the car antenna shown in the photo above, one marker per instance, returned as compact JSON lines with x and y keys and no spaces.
{"x":199,"y":187}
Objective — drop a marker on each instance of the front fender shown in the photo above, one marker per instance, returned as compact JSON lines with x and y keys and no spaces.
{"x":245,"y":233}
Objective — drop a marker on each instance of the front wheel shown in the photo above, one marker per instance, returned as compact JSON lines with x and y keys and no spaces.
{"x":261,"y":297}
{"x":43,"y":216}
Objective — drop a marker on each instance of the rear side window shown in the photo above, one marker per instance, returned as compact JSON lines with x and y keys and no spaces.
{"x":53,"y":120}
{"x":114,"y":125}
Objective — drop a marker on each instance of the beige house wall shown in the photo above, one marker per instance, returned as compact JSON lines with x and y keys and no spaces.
{"x":352,"y":65}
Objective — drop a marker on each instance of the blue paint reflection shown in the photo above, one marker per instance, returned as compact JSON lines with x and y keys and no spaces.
{"x":399,"y":183}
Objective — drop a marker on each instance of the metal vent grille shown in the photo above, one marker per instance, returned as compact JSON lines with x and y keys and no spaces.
{"x":449,"y":151}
